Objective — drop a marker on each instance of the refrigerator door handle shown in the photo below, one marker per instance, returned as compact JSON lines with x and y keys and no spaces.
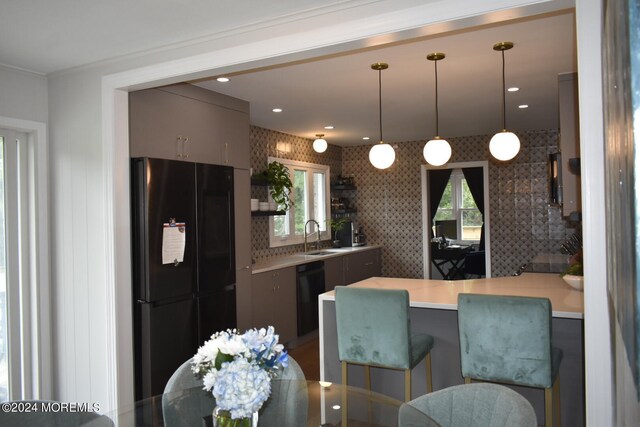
{"x":141,"y":301}
{"x":230,"y":287}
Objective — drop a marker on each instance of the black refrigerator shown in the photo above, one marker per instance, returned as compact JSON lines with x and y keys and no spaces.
{"x":179,"y":302}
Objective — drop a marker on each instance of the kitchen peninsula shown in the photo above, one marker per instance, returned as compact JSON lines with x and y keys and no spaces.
{"x":433,"y":310}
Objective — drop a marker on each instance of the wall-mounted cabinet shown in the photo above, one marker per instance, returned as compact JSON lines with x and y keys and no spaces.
{"x":186,"y":122}
{"x":569,"y":142}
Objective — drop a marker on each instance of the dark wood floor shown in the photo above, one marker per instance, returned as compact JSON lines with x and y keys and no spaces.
{"x":307,"y":354}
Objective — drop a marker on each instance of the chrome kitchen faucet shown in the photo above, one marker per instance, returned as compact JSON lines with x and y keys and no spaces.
{"x":306,"y":235}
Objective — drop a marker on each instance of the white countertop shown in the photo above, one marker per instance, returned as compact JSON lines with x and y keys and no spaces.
{"x":301,"y":258}
{"x":566,"y":302}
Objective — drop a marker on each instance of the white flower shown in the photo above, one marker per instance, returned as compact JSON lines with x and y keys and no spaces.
{"x":209,"y":380}
{"x":233,"y":346}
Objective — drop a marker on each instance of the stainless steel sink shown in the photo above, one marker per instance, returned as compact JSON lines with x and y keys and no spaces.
{"x":318,"y":253}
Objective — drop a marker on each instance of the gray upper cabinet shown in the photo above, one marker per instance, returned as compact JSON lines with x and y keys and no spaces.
{"x":185,"y":122}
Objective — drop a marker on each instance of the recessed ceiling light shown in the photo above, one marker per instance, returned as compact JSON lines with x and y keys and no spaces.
{"x":366,"y":138}
{"x":513,"y":89}
{"x":328,"y":127}
{"x":277,"y":110}
{"x":223,"y":79}
{"x":523,"y":106}
{"x":336,"y":407}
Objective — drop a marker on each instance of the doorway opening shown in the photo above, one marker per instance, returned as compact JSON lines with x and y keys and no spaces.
{"x":455,"y":221}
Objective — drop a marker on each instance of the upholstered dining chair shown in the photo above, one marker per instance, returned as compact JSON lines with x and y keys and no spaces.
{"x":474,"y":405}
{"x":508,"y":339}
{"x":42,"y":417}
{"x":374,"y":330}
{"x":287,"y":405}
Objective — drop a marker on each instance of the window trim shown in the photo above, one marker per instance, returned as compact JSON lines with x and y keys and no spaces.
{"x":35,"y":362}
{"x":295,"y":239}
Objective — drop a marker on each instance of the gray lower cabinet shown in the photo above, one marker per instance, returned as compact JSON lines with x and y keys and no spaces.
{"x":185,"y":122}
{"x":333,"y":273}
{"x":274,"y":302}
{"x":362,"y":265}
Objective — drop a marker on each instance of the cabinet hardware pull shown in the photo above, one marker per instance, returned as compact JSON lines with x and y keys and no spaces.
{"x":368,"y":263}
{"x":226,"y":153}
{"x":184,"y":147}
{"x":178,"y":151}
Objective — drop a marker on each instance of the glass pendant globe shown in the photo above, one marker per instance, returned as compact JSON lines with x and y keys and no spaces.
{"x":382,"y":155}
{"x":504,"y":145}
{"x":437,"y":151}
{"x":320,"y":145}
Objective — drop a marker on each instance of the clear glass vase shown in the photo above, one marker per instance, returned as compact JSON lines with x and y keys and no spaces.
{"x":222,"y":418}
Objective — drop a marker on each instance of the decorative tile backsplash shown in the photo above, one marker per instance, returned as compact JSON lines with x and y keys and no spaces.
{"x":389,"y":202}
{"x":268,"y":143}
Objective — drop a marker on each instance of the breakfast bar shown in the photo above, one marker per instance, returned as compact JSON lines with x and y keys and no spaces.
{"x":433,"y":310}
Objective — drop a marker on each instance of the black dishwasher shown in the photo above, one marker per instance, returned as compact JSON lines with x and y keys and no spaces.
{"x":310,"y":284}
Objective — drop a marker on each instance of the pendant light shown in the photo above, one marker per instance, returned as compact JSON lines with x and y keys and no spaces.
{"x":437,"y":151}
{"x":320,"y":144}
{"x":504,"y":145}
{"x":381,"y":155}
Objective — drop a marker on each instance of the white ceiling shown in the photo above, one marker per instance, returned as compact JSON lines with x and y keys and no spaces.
{"x":45,"y":36}
{"x":343,"y":90}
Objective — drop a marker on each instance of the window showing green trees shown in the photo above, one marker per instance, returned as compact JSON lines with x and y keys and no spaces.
{"x":310,"y":201}
{"x":457,"y":204}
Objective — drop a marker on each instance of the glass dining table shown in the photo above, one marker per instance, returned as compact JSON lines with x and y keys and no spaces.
{"x":299,"y":404}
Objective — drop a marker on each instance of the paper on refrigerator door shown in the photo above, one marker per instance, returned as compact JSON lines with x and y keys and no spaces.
{"x":173,"y":242}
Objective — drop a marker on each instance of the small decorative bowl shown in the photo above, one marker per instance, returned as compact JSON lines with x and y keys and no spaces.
{"x":576,"y":282}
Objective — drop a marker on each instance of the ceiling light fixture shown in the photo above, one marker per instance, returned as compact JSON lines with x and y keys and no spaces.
{"x":366,"y":138}
{"x":277,"y":110}
{"x":513,"y":89}
{"x":223,"y":79}
{"x":504,"y":145}
{"x":381,"y":155}
{"x":437,"y":151}
{"x":320,"y":145}
{"x":328,"y":127}
{"x":523,"y":106}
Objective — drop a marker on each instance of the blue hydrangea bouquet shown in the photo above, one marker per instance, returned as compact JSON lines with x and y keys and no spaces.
{"x":237,"y":369}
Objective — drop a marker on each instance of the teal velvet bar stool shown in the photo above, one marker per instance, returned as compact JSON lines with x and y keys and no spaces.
{"x":507,"y":339}
{"x":374,"y":330}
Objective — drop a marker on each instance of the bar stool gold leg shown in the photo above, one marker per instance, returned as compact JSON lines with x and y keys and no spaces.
{"x":367,"y":377}
{"x":556,"y":398}
{"x":344,"y":394}
{"x":467,"y":380}
{"x":407,"y":385}
{"x":429,"y":373}
{"x":548,"y":407}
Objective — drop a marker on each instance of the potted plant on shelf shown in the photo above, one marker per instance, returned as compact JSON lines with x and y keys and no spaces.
{"x":574,"y":274}
{"x":277,"y":178}
{"x":336,"y":226}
